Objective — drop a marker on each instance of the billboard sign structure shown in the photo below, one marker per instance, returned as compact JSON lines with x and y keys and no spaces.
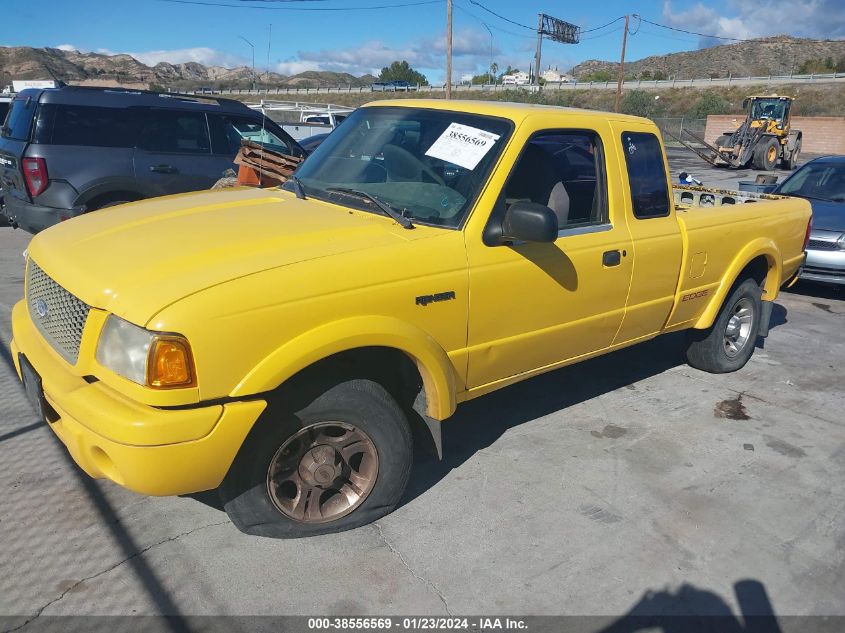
{"x":557,"y":31}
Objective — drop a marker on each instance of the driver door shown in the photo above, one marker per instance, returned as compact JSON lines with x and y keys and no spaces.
{"x":535,"y":305}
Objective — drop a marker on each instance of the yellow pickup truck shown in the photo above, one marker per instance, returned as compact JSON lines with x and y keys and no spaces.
{"x":281,"y":345}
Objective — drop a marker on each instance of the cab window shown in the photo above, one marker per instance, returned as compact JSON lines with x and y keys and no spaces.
{"x":563,"y":170}
{"x":646,"y":175}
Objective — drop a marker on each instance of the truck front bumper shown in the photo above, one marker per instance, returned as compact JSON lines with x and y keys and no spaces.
{"x":75,"y":403}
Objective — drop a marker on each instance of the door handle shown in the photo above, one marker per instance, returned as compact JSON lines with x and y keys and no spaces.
{"x":163,"y":169}
{"x":611,"y":258}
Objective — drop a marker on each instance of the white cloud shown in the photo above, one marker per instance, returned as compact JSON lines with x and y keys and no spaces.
{"x":470,"y":54}
{"x":202,"y":54}
{"x":823,"y":19}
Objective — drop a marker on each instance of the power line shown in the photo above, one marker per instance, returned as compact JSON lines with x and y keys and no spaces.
{"x":492,"y":26}
{"x":598,"y":28}
{"x":271,"y":8}
{"x":501,"y":17}
{"x":595,"y":37}
{"x":672,"y":28}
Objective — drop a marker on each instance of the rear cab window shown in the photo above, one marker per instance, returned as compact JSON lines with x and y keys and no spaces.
{"x":646,"y":175}
{"x":19,"y":119}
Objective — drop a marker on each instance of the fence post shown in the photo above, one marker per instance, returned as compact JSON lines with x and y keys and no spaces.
{"x":681,"y":131}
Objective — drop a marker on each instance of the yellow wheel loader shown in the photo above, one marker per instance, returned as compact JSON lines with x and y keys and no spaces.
{"x":764,"y":140}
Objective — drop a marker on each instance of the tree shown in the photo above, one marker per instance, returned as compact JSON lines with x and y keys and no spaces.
{"x":638,"y":103}
{"x":402,"y":71}
{"x":599,"y":75}
{"x":709,"y":103}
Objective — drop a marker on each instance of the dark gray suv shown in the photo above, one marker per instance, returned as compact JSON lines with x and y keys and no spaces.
{"x":69,"y":150}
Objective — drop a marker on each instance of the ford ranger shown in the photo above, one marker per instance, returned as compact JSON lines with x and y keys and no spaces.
{"x":283,"y":346}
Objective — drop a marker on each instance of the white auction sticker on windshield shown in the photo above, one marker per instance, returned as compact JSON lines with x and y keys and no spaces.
{"x":462,"y":145}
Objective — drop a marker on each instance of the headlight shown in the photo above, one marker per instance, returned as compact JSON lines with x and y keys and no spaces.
{"x":152,"y":359}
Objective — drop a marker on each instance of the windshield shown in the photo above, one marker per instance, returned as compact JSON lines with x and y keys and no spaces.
{"x":821,"y":181}
{"x":772,"y":109}
{"x":18,"y":119}
{"x":429,"y":165}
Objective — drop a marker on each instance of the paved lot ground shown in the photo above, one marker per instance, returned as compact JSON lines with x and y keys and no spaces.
{"x":630,"y":483}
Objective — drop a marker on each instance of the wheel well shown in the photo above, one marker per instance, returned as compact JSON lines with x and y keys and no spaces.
{"x":112,"y":196}
{"x":758,"y":270}
{"x":393,"y":369}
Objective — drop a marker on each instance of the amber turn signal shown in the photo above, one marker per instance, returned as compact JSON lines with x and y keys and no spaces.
{"x":170,"y":363}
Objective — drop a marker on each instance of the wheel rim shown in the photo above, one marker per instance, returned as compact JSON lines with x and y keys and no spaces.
{"x":738,"y":329}
{"x":323,"y":472}
{"x":773,"y":154}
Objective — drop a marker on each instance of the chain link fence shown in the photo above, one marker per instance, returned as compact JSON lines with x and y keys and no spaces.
{"x":674,"y":127}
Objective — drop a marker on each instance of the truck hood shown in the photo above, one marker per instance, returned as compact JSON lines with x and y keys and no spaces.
{"x":138,"y":258}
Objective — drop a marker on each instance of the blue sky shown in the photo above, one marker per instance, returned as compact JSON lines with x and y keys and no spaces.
{"x":364,"y":41}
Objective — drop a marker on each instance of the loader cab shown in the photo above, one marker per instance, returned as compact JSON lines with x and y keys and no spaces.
{"x":770,"y":112}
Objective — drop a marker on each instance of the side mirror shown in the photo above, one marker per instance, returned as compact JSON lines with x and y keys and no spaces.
{"x":529,"y":222}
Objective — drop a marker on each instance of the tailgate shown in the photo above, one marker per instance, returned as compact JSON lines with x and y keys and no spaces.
{"x":11,"y":177}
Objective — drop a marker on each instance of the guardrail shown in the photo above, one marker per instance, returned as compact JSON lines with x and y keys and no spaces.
{"x":571,"y":85}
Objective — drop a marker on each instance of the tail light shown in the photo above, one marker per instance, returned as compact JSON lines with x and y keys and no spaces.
{"x":807,"y":235}
{"x":35,"y":174}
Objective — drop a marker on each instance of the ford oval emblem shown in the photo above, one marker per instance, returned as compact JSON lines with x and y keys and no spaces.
{"x":41,"y":308}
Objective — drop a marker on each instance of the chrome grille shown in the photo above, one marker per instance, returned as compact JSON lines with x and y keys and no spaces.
{"x":822,"y":245}
{"x":58,"y":314}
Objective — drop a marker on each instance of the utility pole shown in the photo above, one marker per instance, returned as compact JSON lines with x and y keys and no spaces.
{"x":269,"y":39}
{"x":490,"y":67}
{"x":539,"y":51}
{"x":448,"y":49}
{"x":253,"y":58}
{"x":622,"y":65}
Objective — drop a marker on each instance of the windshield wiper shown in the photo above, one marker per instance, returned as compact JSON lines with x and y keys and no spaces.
{"x":388,"y":210}
{"x":298,"y":189}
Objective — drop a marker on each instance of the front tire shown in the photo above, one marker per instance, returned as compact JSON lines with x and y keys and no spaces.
{"x":341,"y":461}
{"x":766,"y":154}
{"x":729,"y":343}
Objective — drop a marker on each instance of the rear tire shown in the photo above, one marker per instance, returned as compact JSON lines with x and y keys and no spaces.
{"x":766,"y":154}
{"x":729,"y":343}
{"x":294,"y":478}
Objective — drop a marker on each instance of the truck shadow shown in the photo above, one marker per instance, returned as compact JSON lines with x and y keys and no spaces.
{"x":694,"y":610}
{"x":477,"y":424}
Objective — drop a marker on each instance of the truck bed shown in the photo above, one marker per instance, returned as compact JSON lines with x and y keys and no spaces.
{"x":687,"y":196}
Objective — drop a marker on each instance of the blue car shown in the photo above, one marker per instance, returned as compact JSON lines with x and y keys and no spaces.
{"x":822,"y":182}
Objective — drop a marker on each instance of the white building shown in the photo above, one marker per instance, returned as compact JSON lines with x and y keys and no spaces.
{"x":553,"y":76}
{"x":516,"y":79}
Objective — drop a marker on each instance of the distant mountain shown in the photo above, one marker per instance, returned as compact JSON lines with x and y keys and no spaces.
{"x":779,"y":55}
{"x":23,"y":62}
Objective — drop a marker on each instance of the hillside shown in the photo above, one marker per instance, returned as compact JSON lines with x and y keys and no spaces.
{"x":780,"y":55}
{"x":23,"y":62}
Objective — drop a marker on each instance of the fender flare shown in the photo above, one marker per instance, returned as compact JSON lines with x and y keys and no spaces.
{"x":762,"y":246}
{"x":433,"y":363}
